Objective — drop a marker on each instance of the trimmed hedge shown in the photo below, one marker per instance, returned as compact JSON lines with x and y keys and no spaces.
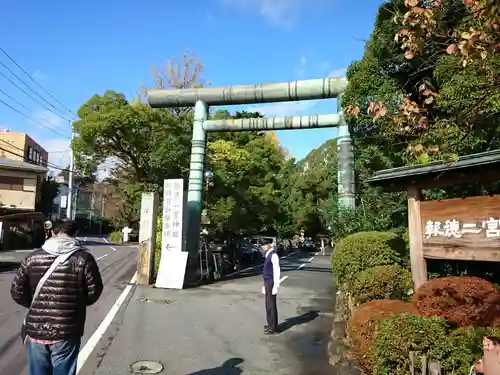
{"x":382,"y":282}
{"x":456,"y":349}
{"x":115,"y":236}
{"x":360,"y":251}
{"x":461,"y":300}
{"x":362,"y":327}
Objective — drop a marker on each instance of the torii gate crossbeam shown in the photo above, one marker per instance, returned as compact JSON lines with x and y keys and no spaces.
{"x":201,"y":98}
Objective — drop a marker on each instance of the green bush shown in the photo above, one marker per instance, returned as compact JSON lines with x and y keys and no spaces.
{"x":456,"y":349}
{"x":159,"y":224}
{"x":363,"y":250}
{"x":115,"y":236}
{"x":382,"y":282}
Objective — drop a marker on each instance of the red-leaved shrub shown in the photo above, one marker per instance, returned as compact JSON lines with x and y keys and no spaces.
{"x":363,"y":324}
{"x":462,"y":300}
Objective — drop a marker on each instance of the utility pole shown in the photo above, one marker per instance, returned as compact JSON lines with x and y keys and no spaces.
{"x":69,"y":208}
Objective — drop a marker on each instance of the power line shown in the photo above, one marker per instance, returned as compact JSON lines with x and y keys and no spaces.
{"x":29,"y":118}
{"x":32,"y":90}
{"x":28,"y":95}
{"x":23,"y":106}
{"x":36,"y":83}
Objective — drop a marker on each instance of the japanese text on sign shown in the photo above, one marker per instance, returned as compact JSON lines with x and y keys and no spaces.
{"x":453,"y":228}
{"x":173,"y":199}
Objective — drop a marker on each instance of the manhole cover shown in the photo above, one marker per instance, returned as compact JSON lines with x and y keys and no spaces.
{"x":146,"y":367}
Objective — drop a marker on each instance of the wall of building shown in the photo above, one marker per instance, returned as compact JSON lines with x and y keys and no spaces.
{"x":20,"y":146}
{"x":18,"y":189}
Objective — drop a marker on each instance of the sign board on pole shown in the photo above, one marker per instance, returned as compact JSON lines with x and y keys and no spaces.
{"x":173,"y":209}
{"x":173,"y":260}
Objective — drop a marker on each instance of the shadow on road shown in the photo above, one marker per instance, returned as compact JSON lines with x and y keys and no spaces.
{"x":9,"y":266}
{"x":298,"y":320}
{"x":230,"y":367}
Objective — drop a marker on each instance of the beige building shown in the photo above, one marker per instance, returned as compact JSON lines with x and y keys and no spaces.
{"x":19,"y":185}
{"x":21,"y":147}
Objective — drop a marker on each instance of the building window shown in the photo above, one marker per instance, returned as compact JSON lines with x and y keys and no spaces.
{"x":30,"y":153}
{"x":11,"y":183}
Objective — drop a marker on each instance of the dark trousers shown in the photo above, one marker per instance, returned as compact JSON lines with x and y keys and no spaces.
{"x":271,"y":308}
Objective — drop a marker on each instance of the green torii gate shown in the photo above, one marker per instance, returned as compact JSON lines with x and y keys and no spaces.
{"x":202,"y":98}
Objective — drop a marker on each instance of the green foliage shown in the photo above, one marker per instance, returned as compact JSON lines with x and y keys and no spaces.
{"x":49,"y":190}
{"x":382,"y":282}
{"x":115,"y":236}
{"x":147,"y":144}
{"x":249,"y":172}
{"x":360,"y":251}
{"x":159,"y":225}
{"x":456,"y":349}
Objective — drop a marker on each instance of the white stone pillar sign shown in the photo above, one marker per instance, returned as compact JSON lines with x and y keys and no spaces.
{"x":173,"y":202}
{"x":147,"y":238}
{"x":126,"y":231}
{"x":173,"y":260}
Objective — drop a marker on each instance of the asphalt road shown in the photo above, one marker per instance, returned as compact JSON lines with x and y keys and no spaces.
{"x":218,"y":329}
{"x":117,"y":264}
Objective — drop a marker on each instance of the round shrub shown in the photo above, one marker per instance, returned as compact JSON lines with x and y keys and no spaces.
{"x":382,"y":282}
{"x":461,"y":300}
{"x":359,"y":251}
{"x":364,"y":321}
{"x":395,"y":337}
{"x":115,"y":236}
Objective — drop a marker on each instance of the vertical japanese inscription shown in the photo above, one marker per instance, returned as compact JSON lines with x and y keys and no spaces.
{"x":173,"y":199}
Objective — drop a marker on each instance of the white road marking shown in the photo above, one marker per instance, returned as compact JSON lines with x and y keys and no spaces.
{"x":101,"y":330}
{"x":104,"y":256}
{"x":105,"y":239}
{"x":283,"y":279}
{"x":112,"y":248}
{"x":310,"y":259}
{"x":24,"y":251}
{"x":301,"y":266}
{"x":258,"y":265}
{"x":85,"y":239}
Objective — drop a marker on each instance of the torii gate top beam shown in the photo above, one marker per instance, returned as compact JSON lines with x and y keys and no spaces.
{"x":323,"y":88}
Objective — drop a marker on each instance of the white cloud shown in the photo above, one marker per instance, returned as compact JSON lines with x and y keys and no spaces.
{"x":338,"y":72}
{"x":285,"y":108}
{"x":59,"y":151}
{"x":60,"y":157}
{"x":279,"y":12}
{"x":51,"y":120}
{"x":300,"y":70}
{"x":38,"y":75}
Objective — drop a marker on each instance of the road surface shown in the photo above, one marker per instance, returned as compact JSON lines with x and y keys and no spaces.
{"x":117,"y":264}
{"x":218,"y":329}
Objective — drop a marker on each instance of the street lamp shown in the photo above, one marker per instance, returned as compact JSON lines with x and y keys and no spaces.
{"x":208,"y":176}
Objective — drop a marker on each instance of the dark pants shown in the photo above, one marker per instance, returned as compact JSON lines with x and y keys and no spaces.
{"x":53,"y":359}
{"x":271,"y":308}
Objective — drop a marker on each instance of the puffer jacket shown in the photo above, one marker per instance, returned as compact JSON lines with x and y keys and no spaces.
{"x":59,"y":311}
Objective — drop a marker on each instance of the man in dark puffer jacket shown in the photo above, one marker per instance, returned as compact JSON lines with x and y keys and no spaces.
{"x":56,"y":320}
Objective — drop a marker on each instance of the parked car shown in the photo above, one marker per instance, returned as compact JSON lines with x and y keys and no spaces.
{"x":257,"y":241}
{"x":308,"y":245}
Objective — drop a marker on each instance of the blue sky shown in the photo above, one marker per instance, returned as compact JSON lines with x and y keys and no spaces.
{"x":76,"y":49}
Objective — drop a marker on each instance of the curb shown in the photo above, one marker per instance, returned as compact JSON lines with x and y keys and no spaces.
{"x":338,"y":350}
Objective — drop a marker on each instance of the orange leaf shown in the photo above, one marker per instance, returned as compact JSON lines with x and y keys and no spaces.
{"x":452,"y":49}
{"x":411,"y":3}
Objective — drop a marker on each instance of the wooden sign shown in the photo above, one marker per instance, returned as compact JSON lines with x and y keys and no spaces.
{"x":461,"y":228}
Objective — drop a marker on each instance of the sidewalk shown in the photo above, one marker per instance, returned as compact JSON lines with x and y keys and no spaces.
{"x":218,"y":329}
